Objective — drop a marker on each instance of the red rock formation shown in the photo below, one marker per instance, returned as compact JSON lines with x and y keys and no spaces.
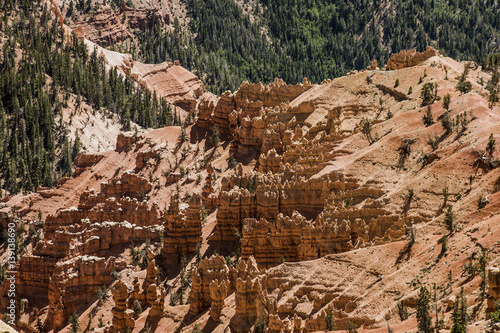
{"x":271,"y":197}
{"x":372,"y":66}
{"x":86,"y":159}
{"x":224,"y":107}
{"x":129,"y":184}
{"x":151,"y":270}
{"x":240,"y":114}
{"x":138,"y":293}
{"x":182,"y":228}
{"x":107,"y":26}
{"x":493,"y":281}
{"x":156,"y":299}
{"x":72,"y":261}
{"x":268,"y":242}
{"x":248,"y":291}
{"x":235,"y":205}
{"x":209,"y":271}
{"x":171,"y":81}
{"x":287,"y":218}
{"x":296,"y":239}
{"x":125,"y":141}
{"x":208,"y":196}
{"x":299,"y":296}
{"x":206,"y":108}
{"x":270,"y":162}
{"x":143,"y":157}
{"x":123,"y":318}
{"x":219,"y":290}
{"x":173,"y":177}
{"x":73,"y":284}
{"x":321,"y":191}
{"x":410,"y":58}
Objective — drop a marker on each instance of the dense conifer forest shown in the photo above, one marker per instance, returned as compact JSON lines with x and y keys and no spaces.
{"x":318,"y":39}
{"x":39,"y":74}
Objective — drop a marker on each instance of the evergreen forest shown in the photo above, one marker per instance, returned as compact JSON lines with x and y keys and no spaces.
{"x":317,"y":39}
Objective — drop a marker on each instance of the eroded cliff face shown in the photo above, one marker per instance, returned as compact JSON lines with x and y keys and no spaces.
{"x":493,"y":280}
{"x":212,"y":282}
{"x":410,"y":58}
{"x":77,"y":246}
{"x":107,"y":26}
{"x":182,"y":233}
{"x":171,"y":81}
{"x":249,"y":113}
{"x":301,"y":213}
{"x":298,"y":220}
{"x":74,"y":282}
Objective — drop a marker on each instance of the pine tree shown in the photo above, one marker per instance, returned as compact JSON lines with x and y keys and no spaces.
{"x":446,"y":101}
{"x":215,"y":137}
{"x":459,"y":316}
{"x":457,"y":319}
{"x":428,"y":93}
{"x":75,"y":324}
{"x":449,"y":219}
{"x":66,"y":158}
{"x":329,"y":321}
{"x":39,"y":326}
{"x":490,"y":148}
{"x":76,"y":146}
{"x":423,"y":309}
{"x":366,"y":129}
{"x":483,"y":262}
{"x":428,"y":121}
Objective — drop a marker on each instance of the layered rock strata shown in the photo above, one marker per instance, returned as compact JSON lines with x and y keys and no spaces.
{"x":74,"y":283}
{"x":297,"y":239}
{"x":123,"y":318}
{"x":239,"y":113}
{"x":493,"y":281}
{"x":213,"y":281}
{"x":182,"y":232}
{"x":72,"y":261}
{"x":248,"y":296}
{"x":209,"y":198}
{"x":281,"y":218}
{"x":211,"y":284}
{"x":257,"y":196}
{"x":409,"y":58}
{"x":108,"y":26}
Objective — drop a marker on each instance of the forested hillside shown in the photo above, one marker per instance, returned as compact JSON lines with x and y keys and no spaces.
{"x":318,"y":39}
{"x":39,"y":74}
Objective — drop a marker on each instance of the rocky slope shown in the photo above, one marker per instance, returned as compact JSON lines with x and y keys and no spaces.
{"x":298,"y":212}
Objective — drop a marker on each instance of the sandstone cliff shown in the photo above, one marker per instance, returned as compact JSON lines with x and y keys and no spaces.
{"x":107,"y":26}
